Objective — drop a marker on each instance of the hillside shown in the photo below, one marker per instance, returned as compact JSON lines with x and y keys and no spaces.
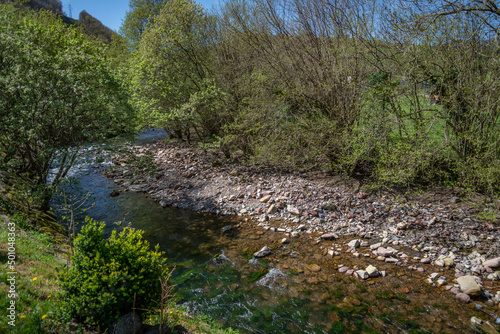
{"x":90,"y":25}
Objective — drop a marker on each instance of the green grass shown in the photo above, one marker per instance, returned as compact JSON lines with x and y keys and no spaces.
{"x":36,"y":282}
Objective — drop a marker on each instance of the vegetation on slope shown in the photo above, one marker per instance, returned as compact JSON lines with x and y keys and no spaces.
{"x":405,"y":95}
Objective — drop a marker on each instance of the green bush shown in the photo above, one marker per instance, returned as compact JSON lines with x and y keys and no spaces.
{"x":106,"y":274}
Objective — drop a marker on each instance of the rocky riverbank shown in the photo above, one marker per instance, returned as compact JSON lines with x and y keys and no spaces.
{"x":442,"y":232}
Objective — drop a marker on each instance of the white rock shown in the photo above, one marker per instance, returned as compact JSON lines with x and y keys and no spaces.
{"x":293,"y":210}
{"x":439,"y":263}
{"x":363,"y":274}
{"x":263,"y":252}
{"x":354,"y":243}
{"x":384,"y":252}
{"x":391,"y":260}
{"x":469,"y":285}
{"x":492,"y":263}
{"x":372,"y":271}
{"x":493,"y":276}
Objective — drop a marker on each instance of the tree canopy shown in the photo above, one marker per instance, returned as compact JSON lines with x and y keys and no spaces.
{"x":141,"y":13}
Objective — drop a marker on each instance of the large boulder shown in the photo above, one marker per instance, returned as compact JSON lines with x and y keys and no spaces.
{"x":469,"y":285}
{"x":129,"y":323}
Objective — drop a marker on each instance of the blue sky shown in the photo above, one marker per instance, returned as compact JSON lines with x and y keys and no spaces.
{"x":109,"y":12}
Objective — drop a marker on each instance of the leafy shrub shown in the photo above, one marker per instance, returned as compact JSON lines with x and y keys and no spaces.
{"x":106,"y":274}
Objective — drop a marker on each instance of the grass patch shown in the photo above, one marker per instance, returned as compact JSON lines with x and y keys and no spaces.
{"x":36,"y":286}
{"x":337,"y":293}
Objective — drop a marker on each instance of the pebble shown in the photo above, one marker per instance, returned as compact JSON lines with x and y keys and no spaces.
{"x":265,"y":199}
{"x":329,"y":236}
{"x":293,"y":210}
{"x":272,"y":209}
{"x":476,"y":321}
{"x":440,"y":282}
{"x":391,"y":260}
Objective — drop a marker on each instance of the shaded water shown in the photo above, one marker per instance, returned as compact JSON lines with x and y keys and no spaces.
{"x":217,"y":276}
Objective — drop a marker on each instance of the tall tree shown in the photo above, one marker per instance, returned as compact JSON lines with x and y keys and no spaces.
{"x":56,"y":92}
{"x":141,"y":13}
{"x":172,"y":64}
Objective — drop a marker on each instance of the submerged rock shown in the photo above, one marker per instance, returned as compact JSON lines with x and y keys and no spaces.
{"x":314,"y":267}
{"x":463,"y":297}
{"x":263,"y":252}
{"x":226,"y":228}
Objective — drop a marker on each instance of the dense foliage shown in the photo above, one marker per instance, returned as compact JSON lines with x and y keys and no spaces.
{"x":106,"y":277}
{"x":57,"y":91}
{"x":172,"y":74}
{"x":141,"y":13}
{"x":405,"y":94}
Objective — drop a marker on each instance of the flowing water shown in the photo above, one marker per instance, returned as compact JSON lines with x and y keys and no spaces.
{"x":216,"y":274}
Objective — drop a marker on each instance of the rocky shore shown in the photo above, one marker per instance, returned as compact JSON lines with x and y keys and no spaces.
{"x":443,"y":232}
